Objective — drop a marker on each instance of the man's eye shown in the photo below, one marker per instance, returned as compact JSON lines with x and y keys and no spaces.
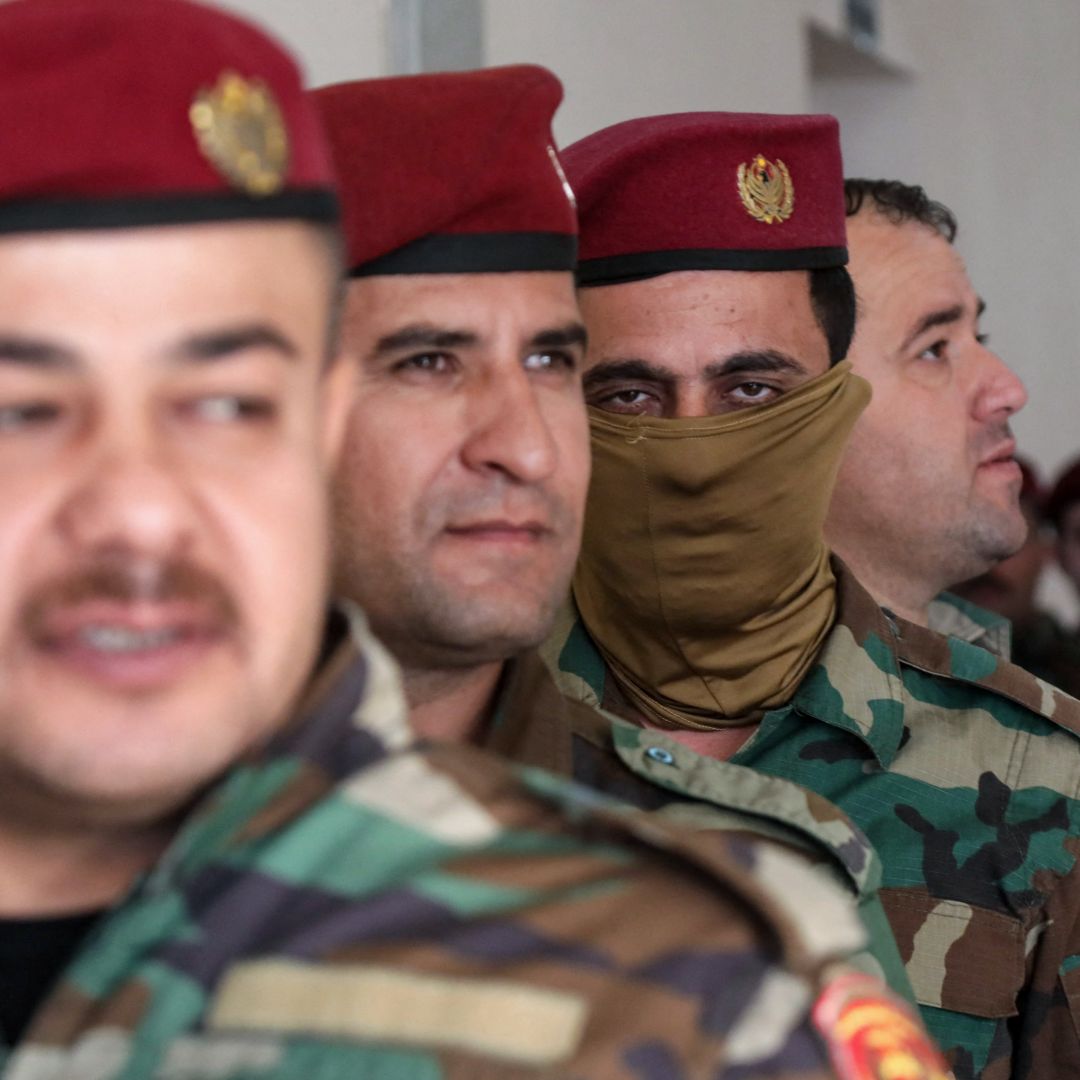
{"x":230,"y":409}
{"x":555,"y":360}
{"x":630,"y":400}
{"x":19,"y":417}
{"x":755,"y":391}
{"x":433,"y":363}
{"x":983,"y":339}
{"x":935,"y":352}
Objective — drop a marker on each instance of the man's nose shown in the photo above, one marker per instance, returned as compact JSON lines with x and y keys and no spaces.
{"x":508,"y":431}
{"x":129,"y":496}
{"x":1000,"y":391}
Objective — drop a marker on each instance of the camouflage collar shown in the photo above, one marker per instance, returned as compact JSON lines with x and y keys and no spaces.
{"x":352,"y":714}
{"x":855,"y":683}
{"x":955,"y":617}
{"x":529,"y":722}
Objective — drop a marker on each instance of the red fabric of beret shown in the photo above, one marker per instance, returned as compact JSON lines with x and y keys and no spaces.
{"x":708,"y":191}
{"x":139,"y":112}
{"x":451,"y":173}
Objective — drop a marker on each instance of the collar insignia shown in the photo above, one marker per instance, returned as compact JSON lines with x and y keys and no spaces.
{"x":241,"y":132}
{"x":766,"y":190}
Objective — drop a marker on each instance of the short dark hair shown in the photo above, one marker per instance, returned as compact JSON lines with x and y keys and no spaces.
{"x":899,"y":203}
{"x":832,"y":296}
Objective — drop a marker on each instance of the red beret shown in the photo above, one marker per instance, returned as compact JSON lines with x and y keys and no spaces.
{"x":709,"y":191}
{"x":451,"y":173}
{"x":142,"y":112}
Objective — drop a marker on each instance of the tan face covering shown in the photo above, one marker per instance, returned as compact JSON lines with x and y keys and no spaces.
{"x":703,"y":577}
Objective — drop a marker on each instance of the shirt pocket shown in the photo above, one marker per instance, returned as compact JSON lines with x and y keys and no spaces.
{"x":961,"y":957}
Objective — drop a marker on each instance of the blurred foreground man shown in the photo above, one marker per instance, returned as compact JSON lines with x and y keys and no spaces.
{"x":707,"y":606}
{"x":460,"y":496}
{"x":223,"y":878}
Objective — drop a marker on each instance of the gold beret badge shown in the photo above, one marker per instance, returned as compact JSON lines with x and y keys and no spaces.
{"x":766,"y":190}
{"x":241,"y":132}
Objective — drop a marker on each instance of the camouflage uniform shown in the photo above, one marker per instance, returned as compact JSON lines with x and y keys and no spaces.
{"x":1039,"y":644}
{"x":954,"y":616}
{"x":964,"y":771}
{"x":536,"y":725}
{"x":351,"y":904}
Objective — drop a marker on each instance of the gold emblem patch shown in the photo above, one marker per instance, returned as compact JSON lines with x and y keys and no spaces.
{"x":241,"y":132}
{"x":872,"y":1036}
{"x":766,"y":190}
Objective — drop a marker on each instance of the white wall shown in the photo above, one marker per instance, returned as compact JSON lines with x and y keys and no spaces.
{"x":335,"y":39}
{"x":977,"y":99}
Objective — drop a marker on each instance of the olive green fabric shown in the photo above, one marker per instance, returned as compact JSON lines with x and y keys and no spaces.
{"x":681,"y":511}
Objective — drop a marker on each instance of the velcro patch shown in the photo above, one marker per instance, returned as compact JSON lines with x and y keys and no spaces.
{"x":492,"y":1017}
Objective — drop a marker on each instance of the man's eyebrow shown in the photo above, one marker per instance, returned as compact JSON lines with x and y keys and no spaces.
{"x":32,"y":352}
{"x":980,"y":307}
{"x":630,"y":368}
{"x":560,"y":337}
{"x":220,"y":344}
{"x":764,"y":361}
{"x":942,"y":317}
{"x":424,"y":336}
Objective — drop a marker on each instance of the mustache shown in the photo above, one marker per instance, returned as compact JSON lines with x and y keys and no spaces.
{"x":128,"y":579}
{"x":990,"y":437}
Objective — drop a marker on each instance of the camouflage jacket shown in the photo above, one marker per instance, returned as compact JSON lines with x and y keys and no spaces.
{"x":537,"y":725}
{"x":954,"y":616}
{"x":964,"y":771}
{"x":349,"y":903}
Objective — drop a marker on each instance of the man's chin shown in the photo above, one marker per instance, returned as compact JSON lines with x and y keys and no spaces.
{"x":473,"y":640}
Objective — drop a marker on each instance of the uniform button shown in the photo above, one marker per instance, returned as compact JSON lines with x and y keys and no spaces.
{"x":658,"y":753}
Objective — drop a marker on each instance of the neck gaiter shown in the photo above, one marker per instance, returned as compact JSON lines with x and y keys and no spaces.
{"x":704,"y":577}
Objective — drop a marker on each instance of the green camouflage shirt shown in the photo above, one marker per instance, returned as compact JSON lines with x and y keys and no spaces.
{"x":964,"y":771}
{"x":537,"y":725}
{"x":954,"y":616}
{"x":349,"y":903}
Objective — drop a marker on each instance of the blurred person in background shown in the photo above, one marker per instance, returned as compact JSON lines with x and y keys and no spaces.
{"x":1038,"y":641}
{"x":1063,"y":513}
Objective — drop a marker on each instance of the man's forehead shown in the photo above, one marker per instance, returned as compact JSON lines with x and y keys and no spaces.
{"x":688,"y":303}
{"x":459,"y":299}
{"x":897,"y":267}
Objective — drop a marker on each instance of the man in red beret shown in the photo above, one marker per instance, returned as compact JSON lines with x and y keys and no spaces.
{"x":208,"y":873}
{"x":706,"y":607}
{"x":459,"y":498}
